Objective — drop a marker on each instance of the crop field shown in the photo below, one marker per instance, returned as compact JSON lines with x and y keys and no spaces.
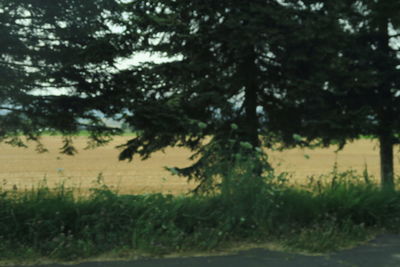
{"x":23,"y":168}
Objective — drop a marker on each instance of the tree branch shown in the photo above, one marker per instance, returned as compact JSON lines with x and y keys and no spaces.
{"x":100,"y":127}
{"x":29,"y":26}
{"x":394,"y":36}
{"x":11,"y":109}
{"x":55,"y":85}
{"x":25,"y":17}
{"x":2,"y":62}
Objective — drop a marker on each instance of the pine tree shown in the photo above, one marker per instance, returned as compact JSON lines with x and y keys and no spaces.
{"x":373,"y":86}
{"x":358,"y":93}
{"x":225,"y":71}
{"x":55,"y":56}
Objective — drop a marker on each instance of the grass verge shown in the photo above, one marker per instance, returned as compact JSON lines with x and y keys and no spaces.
{"x":334,"y":212}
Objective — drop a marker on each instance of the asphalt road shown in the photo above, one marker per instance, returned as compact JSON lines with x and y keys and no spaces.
{"x":384,"y":251}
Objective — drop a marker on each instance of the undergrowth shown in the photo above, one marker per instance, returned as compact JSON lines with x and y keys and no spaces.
{"x":332,"y":212}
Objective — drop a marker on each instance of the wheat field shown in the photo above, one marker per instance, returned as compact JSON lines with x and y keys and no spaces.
{"x":23,"y":168}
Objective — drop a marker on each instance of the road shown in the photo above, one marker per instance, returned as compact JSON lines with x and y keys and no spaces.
{"x":384,"y":251}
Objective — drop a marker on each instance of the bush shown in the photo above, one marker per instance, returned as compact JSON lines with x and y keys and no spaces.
{"x":332,"y":212}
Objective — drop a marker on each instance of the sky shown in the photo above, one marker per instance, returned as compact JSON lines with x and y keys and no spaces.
{"x":139,"y":59}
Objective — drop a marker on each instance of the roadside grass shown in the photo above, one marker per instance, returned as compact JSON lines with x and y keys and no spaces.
{"x":335,"y":211}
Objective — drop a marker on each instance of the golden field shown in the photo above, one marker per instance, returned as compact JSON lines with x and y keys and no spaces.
{"x":23,"y":167}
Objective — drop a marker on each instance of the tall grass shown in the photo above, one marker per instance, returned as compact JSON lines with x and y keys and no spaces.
{"x":332,"y":212}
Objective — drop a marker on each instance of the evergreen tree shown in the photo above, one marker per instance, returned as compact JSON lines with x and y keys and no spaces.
{"x":358,"y":91}
{"x":373,"y":80}
{"x":308,"y":110}
{"x":226,"y":69}
{"x":239,"y":75}
{"x":55,"y":56}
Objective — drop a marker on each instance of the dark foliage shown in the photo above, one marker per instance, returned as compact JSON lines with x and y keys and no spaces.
{"x":55,"y":56}
{"x":236,"y":71}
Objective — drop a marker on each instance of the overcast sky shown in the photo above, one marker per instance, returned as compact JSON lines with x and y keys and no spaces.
{"x":139,"y":59}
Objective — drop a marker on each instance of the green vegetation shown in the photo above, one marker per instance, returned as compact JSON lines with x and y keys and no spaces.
{"x":219,"y":63}
{"x":45,"y":67}
{"x":332,"y":212}
{"x":233,"y":71}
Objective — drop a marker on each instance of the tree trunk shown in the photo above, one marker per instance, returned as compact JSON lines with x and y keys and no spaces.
{"x":386,"y":158}
{"x":252,"y":123}
{"x":250,"y":100}
{"x":385,"y":101}
{"x":251,"y":120}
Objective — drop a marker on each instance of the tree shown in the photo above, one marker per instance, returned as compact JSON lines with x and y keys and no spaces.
{"x":374,"y":27}
{"x":55,"y":56}
{"x":360,"y":92}
{"x":310,"y":66}
{"x":226,"y":69}
{"x":236,"y":73}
